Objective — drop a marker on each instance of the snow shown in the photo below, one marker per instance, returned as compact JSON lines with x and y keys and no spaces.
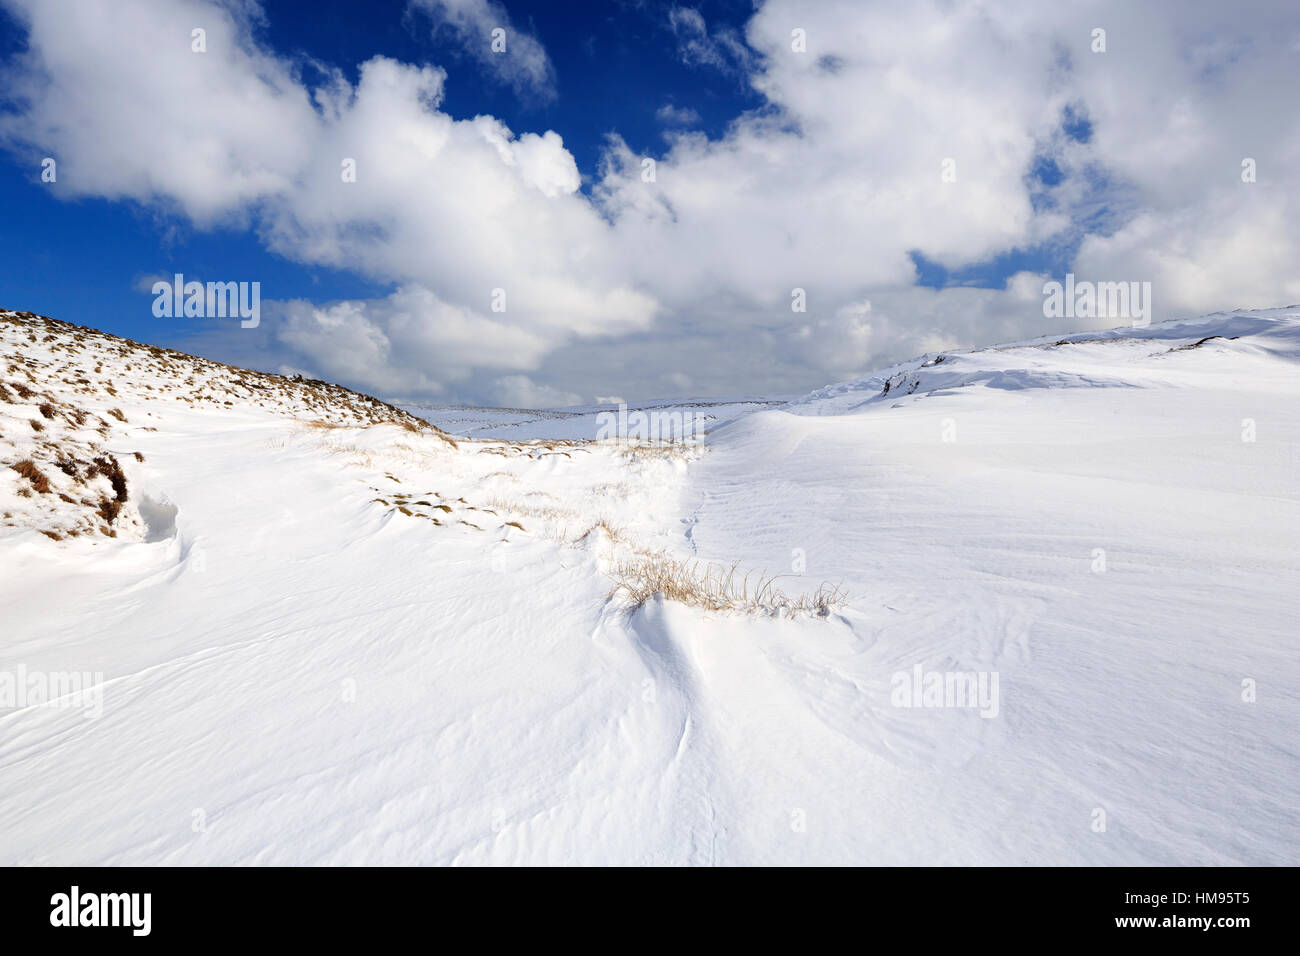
{"x":577,"y":423}
{"x":297,"y":672}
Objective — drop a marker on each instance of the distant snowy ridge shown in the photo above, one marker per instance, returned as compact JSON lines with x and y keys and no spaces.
{"x":954,"y":368}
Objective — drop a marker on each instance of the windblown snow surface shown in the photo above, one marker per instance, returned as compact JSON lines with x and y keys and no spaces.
{"x":329,"y":634}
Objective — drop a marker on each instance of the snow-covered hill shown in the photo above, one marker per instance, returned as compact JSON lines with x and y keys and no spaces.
{"x":282,"y":622}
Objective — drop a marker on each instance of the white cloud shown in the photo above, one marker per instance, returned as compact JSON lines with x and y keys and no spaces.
{"x":145,"y":281}
{"x":519,"y":391}
{"x":723,"y":49}
{"x":839,"y":342}
{"x":409,"y":343}
{"x":671,"y":115}
{"x":93,"y":90}
{"x":523,"y":63}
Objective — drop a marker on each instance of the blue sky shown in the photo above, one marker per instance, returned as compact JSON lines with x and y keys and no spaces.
{"x":81,"y":260}
{"x":799,"y":149}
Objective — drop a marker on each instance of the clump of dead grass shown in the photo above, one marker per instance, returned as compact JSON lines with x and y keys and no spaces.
{"x":661,"y":451}
{"x":27,"y":469}
{"x":716,"y":588}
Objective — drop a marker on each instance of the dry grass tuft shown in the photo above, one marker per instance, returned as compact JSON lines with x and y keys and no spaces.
{"x":716,"y":588}
{"x":27,"y":469}
{"x":614,"y":534}
{"x":109,"y":510}
{"x":109,"y":467}
{"x":661,"y":451}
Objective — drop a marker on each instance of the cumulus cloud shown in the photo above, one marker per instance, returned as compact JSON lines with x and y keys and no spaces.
{"x":409,"y":343}
{"x":89,"y":87}
{"x":894,"y":129}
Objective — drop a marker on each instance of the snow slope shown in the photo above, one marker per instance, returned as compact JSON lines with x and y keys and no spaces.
{"x":577,"y":423}
{"x":330,"y":635}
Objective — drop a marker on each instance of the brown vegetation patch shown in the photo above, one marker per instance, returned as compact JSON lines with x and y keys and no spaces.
{"x":27,"y":469}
